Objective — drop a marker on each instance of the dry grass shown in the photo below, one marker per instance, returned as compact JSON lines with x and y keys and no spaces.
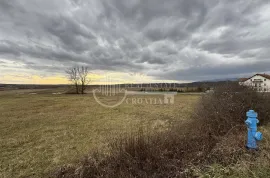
{"x":133,"y":140}
{"x":44,"y":131}
{"x":212,"y":142}
{"x":249,"y":164}
{"x":224,"y":120}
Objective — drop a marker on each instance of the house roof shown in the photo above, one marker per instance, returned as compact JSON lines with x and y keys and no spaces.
{"x":263,"y":75}
{"x":243,"y":79}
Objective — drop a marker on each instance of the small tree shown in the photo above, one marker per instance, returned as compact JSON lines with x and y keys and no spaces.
{"x":73,"y":77}
{"x":78,"y":77}
{"x":83,"y":73}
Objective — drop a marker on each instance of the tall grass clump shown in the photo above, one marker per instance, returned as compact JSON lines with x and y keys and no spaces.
{"x":215,"y":133}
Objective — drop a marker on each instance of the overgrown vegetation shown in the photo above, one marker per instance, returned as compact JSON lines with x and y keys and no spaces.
{"x":214,"y":135}
{"x":198,"y":89}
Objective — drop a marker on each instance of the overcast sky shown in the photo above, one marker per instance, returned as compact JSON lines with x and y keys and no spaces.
{"x":178,"y":40}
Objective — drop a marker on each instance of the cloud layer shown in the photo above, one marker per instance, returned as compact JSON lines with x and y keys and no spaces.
{"x":170,"y":40}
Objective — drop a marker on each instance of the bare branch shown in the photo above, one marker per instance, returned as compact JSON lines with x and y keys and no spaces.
{"x":73,"y":76}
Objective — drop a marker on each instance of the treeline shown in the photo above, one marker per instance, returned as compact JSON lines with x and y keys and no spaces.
{"x":29,"y":86}
{"x":178,"y":90}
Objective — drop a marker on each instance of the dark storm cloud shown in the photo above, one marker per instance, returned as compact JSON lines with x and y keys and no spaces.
{"x":174,"y":39}
{"x":218,"y":71}
{"x":150,"y":58}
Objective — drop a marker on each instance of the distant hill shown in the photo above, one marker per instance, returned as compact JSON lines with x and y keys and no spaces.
{"x":208,"y":83}
{"x":220,"y":80}
{"x":29,"y":86}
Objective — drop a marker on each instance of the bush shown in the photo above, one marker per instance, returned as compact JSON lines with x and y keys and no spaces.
{"x":226,"y":108}
{"x":215,"y":134}
{"x":165,"y":154}
{"x":222,"y":114}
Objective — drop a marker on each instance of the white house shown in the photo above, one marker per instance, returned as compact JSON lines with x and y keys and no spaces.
{"x":261,"y":82}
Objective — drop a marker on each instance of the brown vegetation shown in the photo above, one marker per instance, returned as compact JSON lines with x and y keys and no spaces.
{"x":41,"y":132}
{"x":215,"y":134}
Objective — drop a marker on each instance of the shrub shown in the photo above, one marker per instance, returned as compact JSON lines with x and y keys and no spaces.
{"x":165,"y":154}
{"x":222,"y":114}
{"x":226,"y":108}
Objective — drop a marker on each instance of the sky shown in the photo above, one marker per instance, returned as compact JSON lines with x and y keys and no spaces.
{"x":133,"y":40}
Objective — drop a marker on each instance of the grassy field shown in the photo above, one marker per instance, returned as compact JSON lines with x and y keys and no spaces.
{"x":39,"y":132}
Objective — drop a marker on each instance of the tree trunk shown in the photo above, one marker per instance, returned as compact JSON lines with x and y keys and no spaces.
{"x":77,"y":89}
{"x":83,"y":87}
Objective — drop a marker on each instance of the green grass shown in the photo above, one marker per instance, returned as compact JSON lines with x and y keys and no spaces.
{"x":39,"y":133}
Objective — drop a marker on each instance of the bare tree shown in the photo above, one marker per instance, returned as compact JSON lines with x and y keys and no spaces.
{"x":83,"y":74}
{"x":78,"y":76}
{"x":74,"y":78}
